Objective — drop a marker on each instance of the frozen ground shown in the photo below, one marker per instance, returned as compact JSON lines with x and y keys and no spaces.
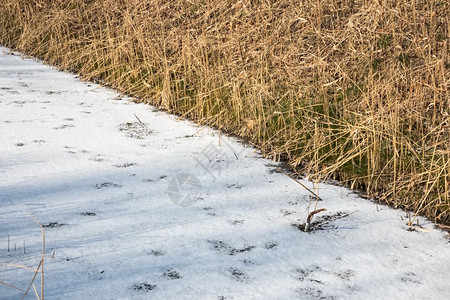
{"x":138,"y":205}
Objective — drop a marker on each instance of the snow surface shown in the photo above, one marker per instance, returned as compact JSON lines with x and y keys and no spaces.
{"x":165,"y":209}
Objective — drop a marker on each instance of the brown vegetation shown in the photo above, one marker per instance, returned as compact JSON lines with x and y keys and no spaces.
{"x":354,"y":90}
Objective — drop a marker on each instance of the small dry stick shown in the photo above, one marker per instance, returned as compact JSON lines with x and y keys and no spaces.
{"x":11,"y":286}
{"x":41,"y":263}
{"x":32,"y":280}
{"x":304,"y":186}
{"x":310,"y":216}
{"x":138,"y":119}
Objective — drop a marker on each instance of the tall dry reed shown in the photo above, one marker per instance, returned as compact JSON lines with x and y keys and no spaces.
{"x":352,"y":90}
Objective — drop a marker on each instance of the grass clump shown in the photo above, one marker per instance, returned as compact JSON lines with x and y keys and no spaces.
{"x":352,"y":90}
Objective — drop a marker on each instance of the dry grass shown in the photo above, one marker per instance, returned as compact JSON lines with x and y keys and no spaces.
{"x":352,"y":90}
{"x":38,"y":270}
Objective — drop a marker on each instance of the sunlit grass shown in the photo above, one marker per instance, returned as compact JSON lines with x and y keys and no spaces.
{"x":352,"y":90}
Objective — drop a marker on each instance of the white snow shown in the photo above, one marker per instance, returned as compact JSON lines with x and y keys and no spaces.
{"x":75,"y":156}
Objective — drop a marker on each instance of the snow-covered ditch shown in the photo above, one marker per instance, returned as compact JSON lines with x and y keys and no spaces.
{"x":136,"y":204}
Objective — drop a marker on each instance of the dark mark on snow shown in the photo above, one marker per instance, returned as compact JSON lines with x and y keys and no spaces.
{"x":238,"y":275}
{"x":410,"y":277}
{"x":323,"y":222}
{"x":270,"y":245}
{"x":53,"y":93}
{"x":97,"y":158}
{"x":345,"y":274}
{"x":143,"y":286}
{"x":18,"y":102}
{"x":88,"y":214}
{"x":302,"y":274}
{"x":171,"y":274}
{"x":106,"y":184}
{"x":125,"y":165}
{"x":64,"y":126}
{"x":156,"y":253}
{"x":275,"y":170}
{"x":315,"y":294}
{"x":84,"y":104}
{"x":306,"y":274}
{"x":236,"y":222}
{"x":208,"y":210}
{"x":234,"y":186}
{"x":135,"y":130}
{"x":223,"y":247}
{"x":286,"y":212}
{"x":53,"y":225}
{"x":152,"y":180}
